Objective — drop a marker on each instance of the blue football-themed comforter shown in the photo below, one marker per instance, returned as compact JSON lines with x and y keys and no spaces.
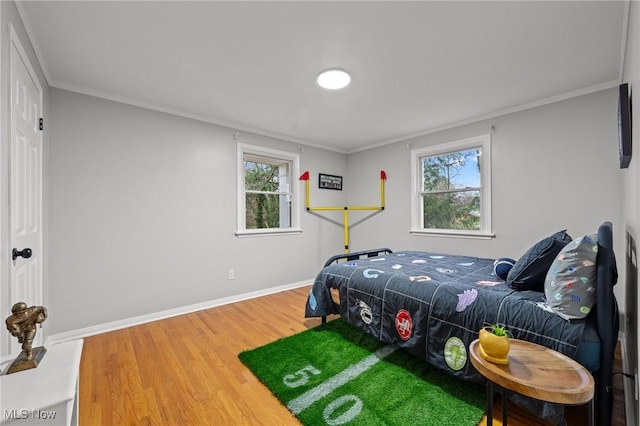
{"x":433,"y":305}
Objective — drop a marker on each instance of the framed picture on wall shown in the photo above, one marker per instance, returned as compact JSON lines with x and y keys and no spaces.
{"x":330,"y":182}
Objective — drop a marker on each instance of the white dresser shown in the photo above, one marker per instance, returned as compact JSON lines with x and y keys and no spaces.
{"x":47,"y":394}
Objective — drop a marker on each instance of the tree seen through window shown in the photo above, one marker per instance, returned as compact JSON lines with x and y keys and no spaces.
{"x":267,"y":202}
{"x":451,"y":190}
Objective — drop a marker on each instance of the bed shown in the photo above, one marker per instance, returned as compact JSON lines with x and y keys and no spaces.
{"x":433,"y":305}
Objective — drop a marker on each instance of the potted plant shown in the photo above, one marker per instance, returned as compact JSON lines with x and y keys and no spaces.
{"x":495,"y":343}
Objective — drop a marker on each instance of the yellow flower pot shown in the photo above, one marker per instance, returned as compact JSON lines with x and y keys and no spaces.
{"x":494,"y":348}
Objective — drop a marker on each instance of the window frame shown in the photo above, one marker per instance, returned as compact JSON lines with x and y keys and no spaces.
{"x":267,"y":153}
{"x":417,"y":176}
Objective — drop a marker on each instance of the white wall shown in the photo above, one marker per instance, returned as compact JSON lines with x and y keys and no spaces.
{"x":143,"y":214}
{"x":631,"y":176}
{"x":553,"y":167}
{"x":9,"y":16}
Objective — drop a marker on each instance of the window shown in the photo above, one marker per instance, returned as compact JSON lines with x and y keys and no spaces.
{"x":267,"y":191}
{"x":452,"y":188}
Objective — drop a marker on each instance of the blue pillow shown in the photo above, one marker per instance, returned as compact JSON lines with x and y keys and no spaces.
{"x":502,"y":266}
{"x":530,"y":270}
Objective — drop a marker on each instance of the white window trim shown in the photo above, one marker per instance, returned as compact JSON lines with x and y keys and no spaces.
{"x":485,"y":231}
{"x":241,"y":230}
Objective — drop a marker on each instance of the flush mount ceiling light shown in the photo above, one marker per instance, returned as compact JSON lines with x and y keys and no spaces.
{"x":333,"y":79}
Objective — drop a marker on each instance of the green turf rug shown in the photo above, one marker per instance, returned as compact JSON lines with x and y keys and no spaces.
{"x":335,"y":374}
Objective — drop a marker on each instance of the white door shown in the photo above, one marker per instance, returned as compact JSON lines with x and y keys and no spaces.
{"x":25,"y":184}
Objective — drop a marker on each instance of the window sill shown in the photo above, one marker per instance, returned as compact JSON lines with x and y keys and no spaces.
{"x":453,"y":233}
{"x":267,"y":232}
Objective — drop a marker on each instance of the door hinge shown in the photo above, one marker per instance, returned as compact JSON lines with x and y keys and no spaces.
{"x":42,"y":124}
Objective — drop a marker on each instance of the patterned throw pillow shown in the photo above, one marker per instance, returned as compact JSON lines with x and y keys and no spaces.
{"x":570,"y":285}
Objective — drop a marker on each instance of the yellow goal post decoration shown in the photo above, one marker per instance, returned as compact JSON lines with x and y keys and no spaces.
{"x":345,"y":209}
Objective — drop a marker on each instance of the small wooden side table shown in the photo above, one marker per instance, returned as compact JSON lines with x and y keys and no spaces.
{"x":537,"y":372}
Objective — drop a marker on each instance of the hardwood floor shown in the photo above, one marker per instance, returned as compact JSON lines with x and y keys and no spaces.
{"x":185,"y":370}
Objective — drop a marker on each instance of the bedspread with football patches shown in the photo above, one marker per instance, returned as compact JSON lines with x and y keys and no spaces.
{"x":433,"y":305}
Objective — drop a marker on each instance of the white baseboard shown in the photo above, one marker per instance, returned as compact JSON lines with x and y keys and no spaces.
{"x":142,"y":319}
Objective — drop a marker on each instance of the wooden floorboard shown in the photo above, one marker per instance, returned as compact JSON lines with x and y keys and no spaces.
{"x":185,"y":370}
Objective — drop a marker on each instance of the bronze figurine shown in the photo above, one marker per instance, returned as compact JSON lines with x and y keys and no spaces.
{"x":22,"y":324}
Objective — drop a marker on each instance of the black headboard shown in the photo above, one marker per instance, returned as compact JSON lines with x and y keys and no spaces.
{"x":631,"y":311}
{"x":608,"y":322}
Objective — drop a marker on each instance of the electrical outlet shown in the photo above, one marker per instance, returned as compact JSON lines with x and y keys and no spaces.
{"x":232,"y":274}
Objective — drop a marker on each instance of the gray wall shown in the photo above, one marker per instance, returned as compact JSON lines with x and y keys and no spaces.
{"x":9,"y":15}
{"x":553,"y":167}
{"x":143,"y":214}
{"x":631,"y":176}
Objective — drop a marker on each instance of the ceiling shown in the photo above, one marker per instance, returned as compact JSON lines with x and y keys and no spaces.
{"x":417,"y":66}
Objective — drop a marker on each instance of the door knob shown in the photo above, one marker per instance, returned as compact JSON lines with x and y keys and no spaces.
{"x":26,"y":253}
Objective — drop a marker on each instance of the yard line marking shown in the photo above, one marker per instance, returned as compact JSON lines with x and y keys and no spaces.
{"x":310,"y":397}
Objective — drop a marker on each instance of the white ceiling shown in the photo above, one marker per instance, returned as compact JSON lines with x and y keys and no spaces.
{"x":416,"y":66}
